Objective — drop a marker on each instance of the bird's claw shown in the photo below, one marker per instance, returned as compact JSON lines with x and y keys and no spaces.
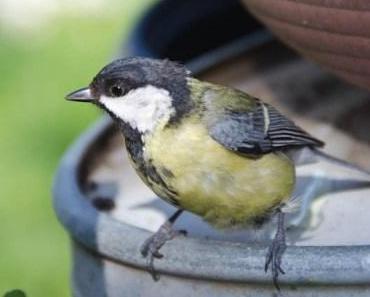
{"x":149,"y":251}
{"x":273,"y":258}
{"x":150,"y":248}
{"x":276,"y":251}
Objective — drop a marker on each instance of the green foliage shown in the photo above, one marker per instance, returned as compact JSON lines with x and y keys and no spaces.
{"x":15,"y":293}
{"x":36,"y":126}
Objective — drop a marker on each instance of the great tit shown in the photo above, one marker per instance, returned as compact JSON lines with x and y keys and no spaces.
{"x":205,"y":148}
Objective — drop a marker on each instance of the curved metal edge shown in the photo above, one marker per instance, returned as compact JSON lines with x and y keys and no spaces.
{"x":213,"y":57}
{"x":190,"y":257}
{"x":222,"y":54}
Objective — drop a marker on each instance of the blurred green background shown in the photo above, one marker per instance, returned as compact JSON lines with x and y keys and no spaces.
{"x":47,"y":48}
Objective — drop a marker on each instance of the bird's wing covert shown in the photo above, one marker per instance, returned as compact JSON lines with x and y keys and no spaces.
{"x":247,"y":125}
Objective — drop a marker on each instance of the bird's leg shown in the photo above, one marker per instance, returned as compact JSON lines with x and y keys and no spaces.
{"x":150,"y":248}
{"x":276,"y":250}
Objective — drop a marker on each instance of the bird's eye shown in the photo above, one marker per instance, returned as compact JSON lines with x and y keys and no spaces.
{"x":116,"y":91}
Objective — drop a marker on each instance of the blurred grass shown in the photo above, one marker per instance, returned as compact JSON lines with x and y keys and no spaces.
{"x":36,"y":126}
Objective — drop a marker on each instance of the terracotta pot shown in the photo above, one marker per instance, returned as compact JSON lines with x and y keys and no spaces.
{"x":334,"y":33}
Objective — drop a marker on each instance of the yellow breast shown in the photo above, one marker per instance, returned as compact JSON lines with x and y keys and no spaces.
{"x":221,"y":186}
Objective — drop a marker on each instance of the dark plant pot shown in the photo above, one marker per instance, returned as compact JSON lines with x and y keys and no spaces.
{"x":106,"y":237}
{"x":195,"y":32}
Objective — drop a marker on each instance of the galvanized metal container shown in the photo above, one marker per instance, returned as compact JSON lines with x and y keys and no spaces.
{"x":329,"y":240}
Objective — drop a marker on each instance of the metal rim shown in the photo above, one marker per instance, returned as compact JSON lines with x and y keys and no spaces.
{"x":190,"y":257}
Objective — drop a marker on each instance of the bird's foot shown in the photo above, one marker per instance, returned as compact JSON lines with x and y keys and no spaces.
{"x":151,"y":246}
{"x":275,"y":252}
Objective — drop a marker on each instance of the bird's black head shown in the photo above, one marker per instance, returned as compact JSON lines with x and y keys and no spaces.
{"x":121,"y":76}
{"x":139,"y":91}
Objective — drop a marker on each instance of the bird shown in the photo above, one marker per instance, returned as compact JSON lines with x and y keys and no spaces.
{"x":205,"y":148}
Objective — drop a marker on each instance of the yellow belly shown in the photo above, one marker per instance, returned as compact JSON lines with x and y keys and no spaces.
{"x":219,"y":185}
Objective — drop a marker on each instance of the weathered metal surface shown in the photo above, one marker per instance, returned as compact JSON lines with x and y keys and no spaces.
{"x":97,"y":276}
{"x":106,"y":258}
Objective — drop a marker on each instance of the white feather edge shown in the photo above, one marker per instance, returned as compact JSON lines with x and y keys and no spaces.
{"x":292,"y":205}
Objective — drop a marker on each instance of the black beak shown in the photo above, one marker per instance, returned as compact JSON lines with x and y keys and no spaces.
{"x":81,"y":95}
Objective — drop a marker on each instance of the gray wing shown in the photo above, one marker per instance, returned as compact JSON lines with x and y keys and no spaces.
{"x":260,"y":129}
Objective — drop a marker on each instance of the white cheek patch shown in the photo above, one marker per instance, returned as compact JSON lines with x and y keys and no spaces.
{"x":142,"y":108}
